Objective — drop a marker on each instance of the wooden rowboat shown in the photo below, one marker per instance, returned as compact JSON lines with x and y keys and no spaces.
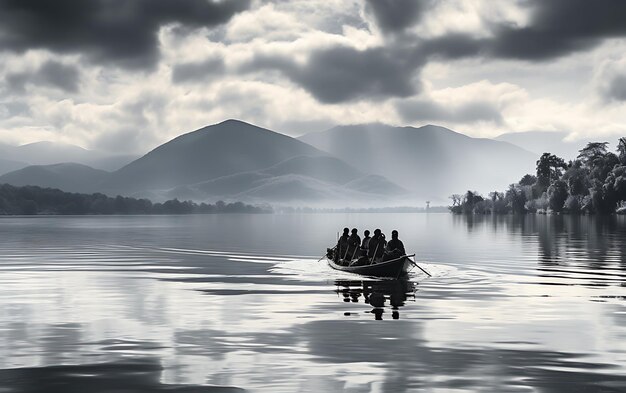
{"x":394,"y":268}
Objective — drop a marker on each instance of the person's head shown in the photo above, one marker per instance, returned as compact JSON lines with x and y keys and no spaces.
{"x":354,"y":231}
{"x":377,"y":232}
{"x":366,"y":233}
{"x":345,"y":231}
{"x":394,"y":234}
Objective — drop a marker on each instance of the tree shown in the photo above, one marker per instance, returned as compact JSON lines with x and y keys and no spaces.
{"x":621,"y":150}
{"x":528,"y":180}
{"x":576,"y":178}
{"x":557,"y":194}
{"x":592,"y":151}
{"x":516,"y":199}
{"x":549,"y":169}
{"x":470,"y":200}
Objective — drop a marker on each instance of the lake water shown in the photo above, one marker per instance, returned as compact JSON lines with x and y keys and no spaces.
{"x":212,"y":303}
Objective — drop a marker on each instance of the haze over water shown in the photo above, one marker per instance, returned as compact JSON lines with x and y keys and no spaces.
{"x":195,"y":303}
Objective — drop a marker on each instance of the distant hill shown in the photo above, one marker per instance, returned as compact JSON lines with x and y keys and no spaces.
{"x":540,"y":142}
{"x":46,"y":153}
{"x":69,"y":177}
{"x":219,"y":150}
{"x":432,"y":162}
{"x":7,"y":166}
{"x":301,"y":179}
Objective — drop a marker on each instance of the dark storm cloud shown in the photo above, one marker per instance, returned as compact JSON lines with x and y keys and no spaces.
{"x":396,"y":15}
{"x":342,"y":73}
{"x":424,"y":110}
{"x":560,"y":27}
{"x":50,"y":74}
{"x":198,"y":71}
{"x":117,"y":32}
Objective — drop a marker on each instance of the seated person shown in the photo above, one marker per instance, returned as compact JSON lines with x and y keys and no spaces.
{"x":395,"y":247}
{"x":365,"y":243}
{"x":354,"y":242}
{"x":377,"y":245}
{"x":342,"y":245}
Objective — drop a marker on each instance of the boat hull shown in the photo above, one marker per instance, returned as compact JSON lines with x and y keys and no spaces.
{"x":394,"y":268}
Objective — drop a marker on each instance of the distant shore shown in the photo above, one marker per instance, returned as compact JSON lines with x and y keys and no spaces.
{"x":32,"y":200}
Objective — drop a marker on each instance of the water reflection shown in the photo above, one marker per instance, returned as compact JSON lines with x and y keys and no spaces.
{"x":385,"y":295}
{"x":570,"y":250}
{"x":198,"y":303}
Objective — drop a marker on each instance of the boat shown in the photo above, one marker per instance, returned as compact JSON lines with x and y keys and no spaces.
{"x":393,"y":268}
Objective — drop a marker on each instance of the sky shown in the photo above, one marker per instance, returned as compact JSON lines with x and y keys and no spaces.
{"x":125,"y":76}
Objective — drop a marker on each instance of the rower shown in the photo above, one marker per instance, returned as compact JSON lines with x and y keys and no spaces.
{"x":354,"y":241}
{"x":342,"y":245}
{"x":376,"y":245}
{"x":395,"y":244}
{"x":366,"y":242}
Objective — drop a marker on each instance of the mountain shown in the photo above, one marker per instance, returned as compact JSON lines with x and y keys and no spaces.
{"x":540,"y":142}
{"x":299,"y":179}
{"x":69,"y":177}
{"x":219,"y":150}
{"x":7,"y":166}
{"x":46,"y":153}
{"x":432,"y":162}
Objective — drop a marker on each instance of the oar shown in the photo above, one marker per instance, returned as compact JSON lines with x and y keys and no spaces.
{"x":326,"y":254}
{"x":356,"y":247}
{"x":418,"y":266}
{"x":375,"y":251}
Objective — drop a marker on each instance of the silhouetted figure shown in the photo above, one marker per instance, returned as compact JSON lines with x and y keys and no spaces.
{"x":395,"y":245}
{"x":354,"y":242}
{"x":342,"y":245}
{"x":366,"y":242}
{"x":377,"y":245}
{"x":373,"y":243}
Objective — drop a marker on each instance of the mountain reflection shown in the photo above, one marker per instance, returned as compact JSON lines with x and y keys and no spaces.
{"x":387,"y":295}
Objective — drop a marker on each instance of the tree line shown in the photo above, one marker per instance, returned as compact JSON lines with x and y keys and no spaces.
{"x":593,"y":183}
{"x":31,"y":200}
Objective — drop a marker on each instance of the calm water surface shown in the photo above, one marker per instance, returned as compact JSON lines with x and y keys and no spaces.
{"x":216,"y":303}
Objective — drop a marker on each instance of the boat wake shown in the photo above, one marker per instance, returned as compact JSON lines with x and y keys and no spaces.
{"x":314,"y":270}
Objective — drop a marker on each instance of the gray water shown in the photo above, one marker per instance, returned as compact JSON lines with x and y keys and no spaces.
{"x":214,"y":303}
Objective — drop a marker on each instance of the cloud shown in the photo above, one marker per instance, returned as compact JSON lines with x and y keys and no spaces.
{"x":393,"y":16}
{"x":610,"y":80}
{"x":51,"y":73}
{"x":484,"y":105}
{"x":198,"y":71}
{"x":560,"y":27}
{"x":553,"y":29}
{"x":124,"y":33}
{"x":342,"y":73}
{"x":471,"y":112}
{"x":14,"y":108}
{"x":617,"y":88}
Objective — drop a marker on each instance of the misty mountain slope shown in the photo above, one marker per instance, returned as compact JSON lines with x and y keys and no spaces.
{"x":47,"y":153}
{"x":375,"y":184}
{"x":219,"y":150}
{"x":540,"y":142}
{"x":325,"y":178}
{"x":69,"y":177}
{"x":430,"y":161}
{"x":298,"y":189}
{"x":326,"y":168}
{"x":7,"y":166}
